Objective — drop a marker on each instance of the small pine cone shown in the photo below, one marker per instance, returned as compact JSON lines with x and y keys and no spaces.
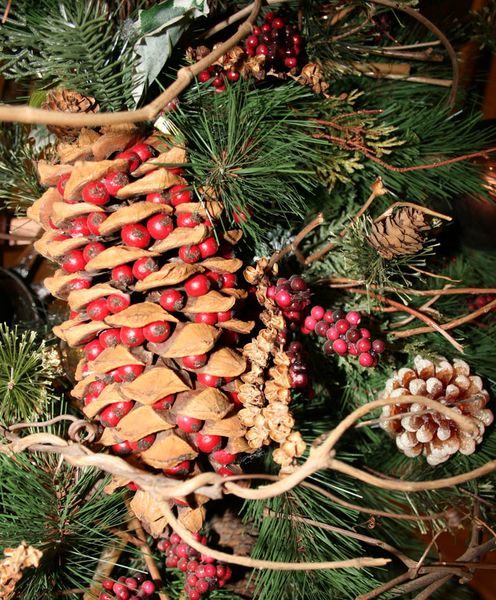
{"x":422,"y":430}
{"x":311,"y":75}
{"x":61,"y":100}
{"x":399,"y":234}
{"x":233,"y":533}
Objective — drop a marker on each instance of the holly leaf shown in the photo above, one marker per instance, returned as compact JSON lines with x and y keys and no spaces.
{"x":160,"y":28}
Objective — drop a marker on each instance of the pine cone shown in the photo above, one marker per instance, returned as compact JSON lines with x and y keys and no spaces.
{"x":61,"y":100}
{"x":399,"y":234}
{"x":233,"y":534}
{"x":155,"y":311}
{"x":422,"y":430}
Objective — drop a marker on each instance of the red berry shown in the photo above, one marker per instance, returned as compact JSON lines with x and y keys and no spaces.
{"x":365,"y":333}
{"x":342,"y":325}
{"x":209,"y":380}
{"x":148,"y":587}
{"x":194,"y":361}
{"x":265,"y":28}
{"x":158,"y":197}
{"x":321,"y":328}
{"x":340,"y":346}
{"x":110,"y":338}
{"x":317,"y":313}
{"x":132,"y":158}
{"x":135,"y":235}
{"x":240,"y":216}
{"x":352,"y":335}
{"x":122,"y":448}
{"x":143,"y":267}
{"x":207,"y":318}
{"x":283,"y":298}
{"x":157,"y":332}
{"x":194,"y":594}
{"x":189,"y":254}
{"x":164,"y":403}
{"x":107,"y":584}
{"x":92,"y":249}
{"x":118,"y":302}
{"x":96,"y":387}
{"x":160,"y":226}
{"x":277,"y":23}
{"x":131,"y":583}
{"x":197,"y":285}
{"x":251,"y":41}
{"x":93,"y":349}
{"x":204,"y":76}
{"x":189,"y":424}
{"x":132,"y":336}
{"x":179,"y":470}
{"x":223,"y":457}
{"x":144,"y":151}
{"x":97,"y":310}
{"x":328,"y":316}
{"x":179,"y":194}
{"x":95,"y":192}
{"x":218,"y":82}
{"x":262,"y":49}
{"x":271,"y":292}
{"x":113,"y":413}
{"x":172,"y":300}
{"x":353,"y":350}
{"x":366,"y":359}
{"x":207,"y":443}
{"x":143,"y":444}
{"x":208,"y":247}
{"x":114,"y":181}
{"x":310,"y":323}
{"x":290,"y":62}
{"x":233,"y":75}
{"x":188,"y":219}
{"x":94,"y":220}
{"x":378,"y":346}
{"x":130,"y":372}
{"x":363,"y":345}
{"x":62,"y":180}
{"x":299,"y":380}
{"x":122,"y":274}
{"x":73,"y":261}
{"x":80,"y":283}
{"x":78,"y":227}
{"x":229,"y":280}
{"x":201,"y":587}
{"x":227,"y":315}
{"x":353,"y":317}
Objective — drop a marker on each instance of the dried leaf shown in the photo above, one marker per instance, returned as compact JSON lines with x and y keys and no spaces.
{"x":63,"y":211}
{"x":116,"y":255}
{"x":84,"y":172}
{"x":168,"y":450}
{"x":182,"y":236}
{"x":235,"y":293}
{"x":79,"y":298}
{"x":58,"y":285}
{"x":207,"y":403}
{"x":222,"y":265}
{"x":238,"y":326}
{"x":87,"y":136}
{"x":115,"y":483}
{"x":49,"y":174}
{"x":230,"y":427}
{"x":140,"y":315}
{"x":205,"y":210}
{"x":156,"y":181}
{"x":150,"y":512}
{"x":170,"y":274}
{"x":192,"y":518}
{"x":41,"y":209}
{"x":113,"y":358}
{"x":232,"y":236}
{"x":109,"y":437}
{"x":190,"y":338}
{"x":12,"y":566}
{"x":131,"y":214}
{"x":140,"y":422}
{"x":225,"y":362}
{"x":75,"y":332}
{"x":154,"y":384}
{"x":213,"y":301}
{"x":79,"y":389}
{"x":238,"y":445}
{"x":70,"y":153}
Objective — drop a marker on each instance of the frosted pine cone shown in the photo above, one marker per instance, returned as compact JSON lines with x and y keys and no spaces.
{"x":422,"y":430}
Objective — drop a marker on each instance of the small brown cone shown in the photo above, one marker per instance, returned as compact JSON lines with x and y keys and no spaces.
{"x":61,"y":100}
{"x":399,"y":234}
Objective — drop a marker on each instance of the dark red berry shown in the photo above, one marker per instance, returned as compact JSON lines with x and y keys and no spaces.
{"x":78,"y":227}
{"x":366,"y":359}
{"x":194,"y":361}
{"x":290,"y":62}
{"x":132,"y":336}
{"x":122,"y":448}
{"x":110,"y":338}
{"x":189,"y":424}
{"x":122,"y":274}
{"x":207,"y":443}
{"x":118,"y":302}
{"x":352,"y":335}
{"x":189,"y":254}
{"x":172,"y":300}
{"x":91,"y":250}
{"x":130,"y":372}
{"x":135,"y":235}
{"x":209,"y":380}
{"x":229,"y":280}
{"x":342,"y":325}
{"x":144,"y":267}
{"x":160,"y":226}
{"x":157,"y":332}
{"x":206,"y":317}
{"x":95,"y":192}
{"x":363,"y":345}
{"x":73,"y":261}
{"x":179,"y":194}
{"x":233,"y":75}
{"x":114,"y":181}
{"x":321,"y":328}
{"x":378,"y":346}
{"x":179,"y":470}
{"x":93,"y":349}
{"x":340,"y":346}
{"x":97,"y":310}
{"x":203,"y":76}
{"x":197,"y":285}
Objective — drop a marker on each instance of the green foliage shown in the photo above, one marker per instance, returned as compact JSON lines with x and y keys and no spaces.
{"x":27,"y":369}
{"x":69,"y":44}
{"x":64,"y":512}
{"x":254,"y":149}
{"x":19,"y":186}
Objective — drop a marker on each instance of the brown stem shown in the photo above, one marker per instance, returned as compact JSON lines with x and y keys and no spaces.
{"x":377,"y":190}
{"x":426,"y":552}
{"x":27,"y":114}
{"x":432,"y":325}
{"x":451,"y":325}
{"x":384,"y":587}
{"x":430,"y":589}
{"x":424,"y":209}
{"x":391,"y":51}
{"x":237,"y":16}
{"x":425,"y":305}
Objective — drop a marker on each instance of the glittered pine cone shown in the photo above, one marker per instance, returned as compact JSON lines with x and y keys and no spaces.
{"x":418,"y":429}
{"x":155,"y":307}
{"x":61,"y":100}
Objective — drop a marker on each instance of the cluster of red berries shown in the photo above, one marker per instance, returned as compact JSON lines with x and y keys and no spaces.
{"x":203,"y":573}
{"x":298,"y":368}
{"x":128,"y":588}
{"x":480,"y":301}
{"x":277,"y":40}
{"x":343,"y":336}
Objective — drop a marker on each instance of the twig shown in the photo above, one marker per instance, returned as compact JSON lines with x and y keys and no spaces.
{"x":146,"y":552}
{"x":426,"y":552}
{"x":27,"y":114}
{"x":430,"y":589}
{"x":27,"y":424}
{"x":451,"y":325}
{"x":392,"y":51}
{"x":293,"y":246}
{"x":432,"y":325}
{"x":377,"y":190}
{"x":424,"y":209}
{"x":108,"y":558}
{"x":6,"y":12}
{"x":234,"y":18}
{"x":409,"y":319}
{"x":384,"y":587}
{"x":434,"y":275}
{"x":253,"y":563}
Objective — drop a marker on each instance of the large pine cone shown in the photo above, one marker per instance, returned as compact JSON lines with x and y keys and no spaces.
{"x":399,"y":234}
{"x":422,"y":430}
{"x":154,"y":301}
{"x":61,"y":100}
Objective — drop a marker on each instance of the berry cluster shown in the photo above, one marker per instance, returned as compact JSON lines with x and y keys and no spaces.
{"x":298,"y":369}
{"x":277,"y":40}
{"x":480,"y":301}
{"x":339,"y":328}
{"x":128,"y":588}
{"x":203,"y":573}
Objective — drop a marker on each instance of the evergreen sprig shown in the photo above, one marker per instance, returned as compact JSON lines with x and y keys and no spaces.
{"x":254,"y":149}
{"x":69,"y":44}
{"x":27,"y":370}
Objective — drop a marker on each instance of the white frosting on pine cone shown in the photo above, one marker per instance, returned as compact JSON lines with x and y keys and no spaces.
{"x":420,"y":430}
